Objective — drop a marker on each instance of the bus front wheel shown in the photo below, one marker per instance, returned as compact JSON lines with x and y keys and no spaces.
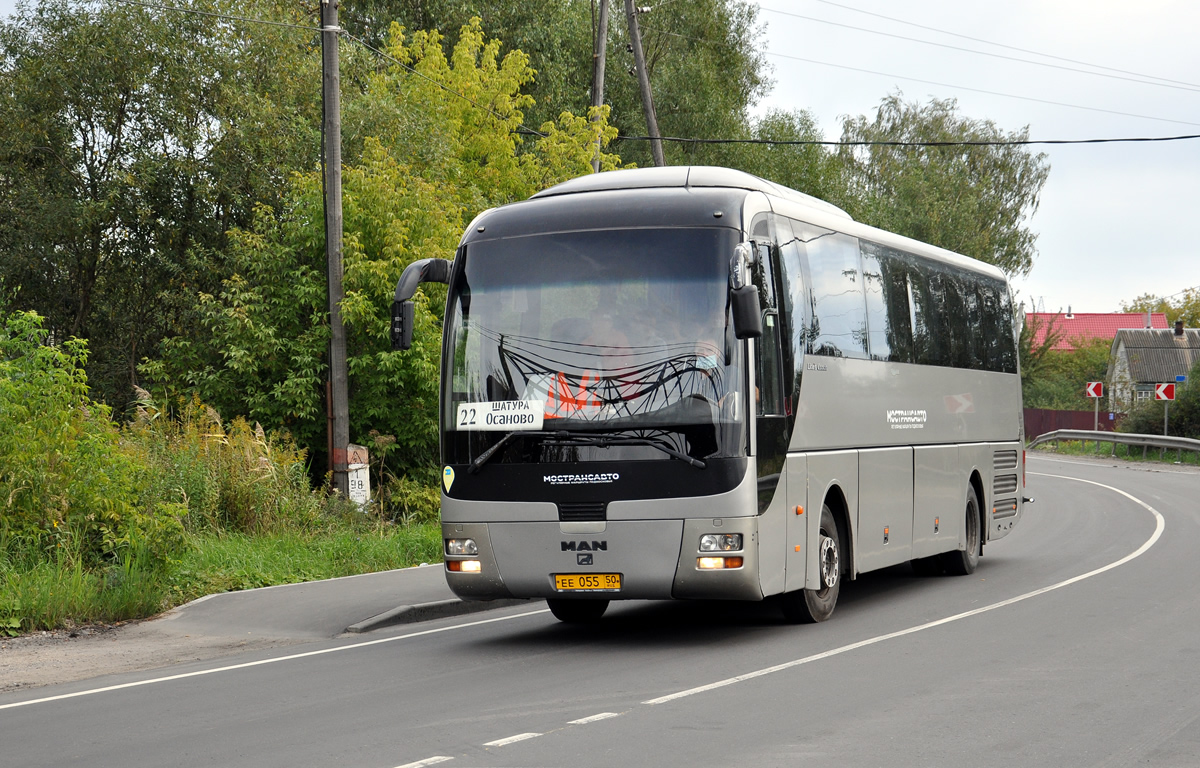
{"x":963,"y":562}
{"x":577,"y":611}
{"x":808,"y":606}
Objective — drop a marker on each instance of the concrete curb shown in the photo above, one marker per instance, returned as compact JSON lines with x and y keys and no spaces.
{"x":408,"y":614}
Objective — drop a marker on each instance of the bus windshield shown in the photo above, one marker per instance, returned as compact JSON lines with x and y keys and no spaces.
{"x":614,"y":331}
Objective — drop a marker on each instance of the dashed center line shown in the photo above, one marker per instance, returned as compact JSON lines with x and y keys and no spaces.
{"x":594,"y":718}
{"x":512,"y":739}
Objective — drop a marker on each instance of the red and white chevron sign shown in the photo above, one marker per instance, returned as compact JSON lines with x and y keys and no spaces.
{"x":1095,"y":389}
{"x":1164,"y":391}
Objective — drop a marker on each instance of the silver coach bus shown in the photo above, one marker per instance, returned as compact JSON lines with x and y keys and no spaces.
{"x":693,"y":383}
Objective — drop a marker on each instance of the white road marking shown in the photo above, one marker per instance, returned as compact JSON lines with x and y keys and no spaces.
{"x":1158,"y":529}
{"x":427,"y":761}
{"x":594,"y":718}
{"x":274,"y":660}
{"x":512,"y":739}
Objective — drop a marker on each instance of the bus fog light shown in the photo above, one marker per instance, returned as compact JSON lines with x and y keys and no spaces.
{"x":718,"y":563}
{"x":464,"y":566}
{"x":721,"y":542}
{"x":461,"y":547}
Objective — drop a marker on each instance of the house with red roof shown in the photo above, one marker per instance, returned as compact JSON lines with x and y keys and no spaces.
{"x":1074,"y":329}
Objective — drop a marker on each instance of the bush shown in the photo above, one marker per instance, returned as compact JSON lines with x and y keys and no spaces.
{"x":68,"y":489}
{"x":1183,"y":414}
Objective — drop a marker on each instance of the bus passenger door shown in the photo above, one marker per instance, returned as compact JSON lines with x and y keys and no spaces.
{"x":885,"y":507}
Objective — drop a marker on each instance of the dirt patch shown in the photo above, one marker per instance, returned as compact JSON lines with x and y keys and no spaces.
{"x":63,"y":656}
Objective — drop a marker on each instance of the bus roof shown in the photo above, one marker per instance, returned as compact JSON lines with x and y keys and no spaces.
{"x":685,"y":176}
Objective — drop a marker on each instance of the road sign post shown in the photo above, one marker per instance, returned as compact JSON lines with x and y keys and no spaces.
{"x":1095,"y":390}
{"x":1166,"y":393}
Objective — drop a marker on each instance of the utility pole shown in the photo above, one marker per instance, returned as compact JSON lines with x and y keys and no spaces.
{"x":338,"y":400}
{"x":599,"y":50}
{"x":639,"y":58}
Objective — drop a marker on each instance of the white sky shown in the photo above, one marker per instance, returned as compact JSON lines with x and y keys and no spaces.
{"x":1113,"y":218}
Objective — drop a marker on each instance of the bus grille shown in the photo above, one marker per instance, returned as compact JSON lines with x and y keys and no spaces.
{"x":1002,"y":460}
{"x":1004,"y":484}
{"x":584,"y":511}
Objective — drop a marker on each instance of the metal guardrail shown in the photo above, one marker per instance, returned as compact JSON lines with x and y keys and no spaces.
{"x":1162,"y":442}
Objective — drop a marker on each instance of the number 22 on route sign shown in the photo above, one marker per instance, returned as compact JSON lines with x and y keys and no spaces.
{"x":1095,"y":389}
{"x":1164,"y":391}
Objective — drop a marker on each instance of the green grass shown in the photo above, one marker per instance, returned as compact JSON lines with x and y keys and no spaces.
{"x":225,"y":562}
{"x":36,"y":593}
{"x":1125,"y":452}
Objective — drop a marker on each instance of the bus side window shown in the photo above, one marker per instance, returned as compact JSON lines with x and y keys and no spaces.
{"x":769,"y":399}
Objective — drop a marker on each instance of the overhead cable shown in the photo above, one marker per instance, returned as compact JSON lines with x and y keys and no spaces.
{"x":998,"y":45}
{"x":1164,"y":84}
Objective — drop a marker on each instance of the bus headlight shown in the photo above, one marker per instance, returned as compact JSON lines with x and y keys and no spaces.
{"x":721,"y":542}
{"x":461,"y":547}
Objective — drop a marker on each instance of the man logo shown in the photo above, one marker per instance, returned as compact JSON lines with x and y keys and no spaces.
{"x":583,"y":558}
{"x":584,"y":546}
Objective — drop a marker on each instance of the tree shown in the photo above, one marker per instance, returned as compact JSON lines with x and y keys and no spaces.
{"x":266,"y":329}
{"x":975,"y":200}
{"x":702,"y":56}
{"x":1184,"y":306}
{"x":807,"y":168}
{"x":134,"y":139}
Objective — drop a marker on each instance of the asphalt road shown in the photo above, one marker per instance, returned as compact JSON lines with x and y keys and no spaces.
{"x":1076,"y":643}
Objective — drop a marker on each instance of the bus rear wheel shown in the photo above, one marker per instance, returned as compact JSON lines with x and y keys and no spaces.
{"x":963,"y":562}
{"x":808,"y":606}
{"x":577,"y":611}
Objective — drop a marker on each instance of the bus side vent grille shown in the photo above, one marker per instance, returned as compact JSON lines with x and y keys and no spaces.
{"x":1002,"y":460}
{"x":1004,"y":508}
{"x":585,"y":511}
{"x":1004,"y":484}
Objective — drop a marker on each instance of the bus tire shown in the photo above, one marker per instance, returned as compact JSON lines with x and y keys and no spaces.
{"x":577,"y":611}
{"x":963,"y":562}
{"x":809,"y":606}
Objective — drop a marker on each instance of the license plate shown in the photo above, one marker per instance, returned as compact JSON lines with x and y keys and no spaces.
{"x":587,"y":582}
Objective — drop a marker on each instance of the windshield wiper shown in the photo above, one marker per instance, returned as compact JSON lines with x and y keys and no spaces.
{"x":603,"y":441}
{"x":563,"y":437}
{"x":483,"y":458}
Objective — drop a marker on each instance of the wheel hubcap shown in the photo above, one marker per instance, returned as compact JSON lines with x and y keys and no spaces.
{"x":830,"y":565}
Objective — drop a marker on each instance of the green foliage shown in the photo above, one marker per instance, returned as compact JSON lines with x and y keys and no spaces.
{"x":972,"y":200}
{"x":1184,"y":306}
{"x":704,"y":59}
{"x":1183,"y":413}
{"x":1056,"y":379}
{"x":133,"y":140}
{"x":67,"y":487}
{"x":266,"y":331}
{"x":97,"y":521}
{"x":807,"y":168}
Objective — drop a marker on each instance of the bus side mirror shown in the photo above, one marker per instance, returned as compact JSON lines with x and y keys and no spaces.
{"x":743,"y":296}
{"x":747,"y":320}
{"x":423,"y":271}
{"x":402,"y":325}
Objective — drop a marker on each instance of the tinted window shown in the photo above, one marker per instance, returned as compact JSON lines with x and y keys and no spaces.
{"x":889,"y":317}
{"x":838,"y":314}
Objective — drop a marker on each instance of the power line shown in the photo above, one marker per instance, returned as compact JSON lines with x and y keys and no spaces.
{"x":984,"y":91}
{"x":1181,"y":87}
{"x":998,"y":45}
{"x":885,"y":143}
{"x":940,"y":84}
